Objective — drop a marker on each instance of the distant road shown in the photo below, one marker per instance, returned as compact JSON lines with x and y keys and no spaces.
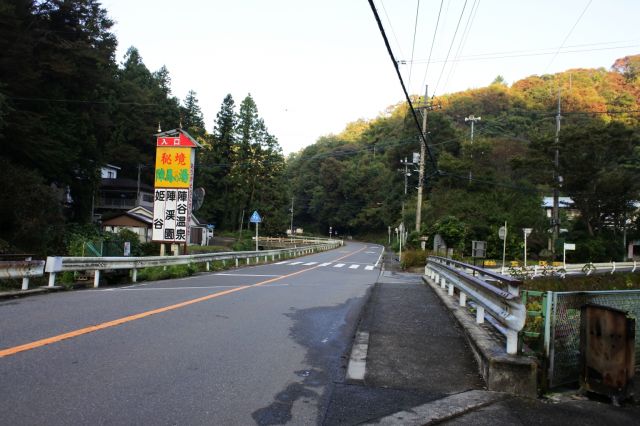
{"x":255,"y":345}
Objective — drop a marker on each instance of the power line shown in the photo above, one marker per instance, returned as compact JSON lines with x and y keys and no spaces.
{"x":384,"y":9}
{"x":415,"y":29}
{"x":567,"y":36}
{"x":433,"y":42}
{"x":527,"y":53}
{"x":450,"y":47}
{"x":78,"y":101}
{"x":463,"y":40}
{"x":404,"y":89}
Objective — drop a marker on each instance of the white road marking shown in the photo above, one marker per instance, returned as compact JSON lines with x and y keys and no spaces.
{"x":296,"y":263}
{"x":171,"y":288}
{"x":369,"y":267}
{"x":309,"y":263}
{"x":281,"y":263}
{"x":247,"y":275}
{"x":338,"y":265}
{"x":189,"y":288}
{"x":370,"y":252}
{"x":325,"y":264}
{"x":354,"y":266}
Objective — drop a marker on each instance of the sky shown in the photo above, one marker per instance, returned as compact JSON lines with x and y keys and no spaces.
{"x":314,"y":66}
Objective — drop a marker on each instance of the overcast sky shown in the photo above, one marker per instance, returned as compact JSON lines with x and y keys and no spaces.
{"x":314,"y":66}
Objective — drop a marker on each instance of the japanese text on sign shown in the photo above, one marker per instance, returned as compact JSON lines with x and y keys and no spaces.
{"x":173,"y":167}
{"x":170,"y":215}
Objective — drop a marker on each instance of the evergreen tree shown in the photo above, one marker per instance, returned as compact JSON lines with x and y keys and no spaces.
{"x":192,"y":119}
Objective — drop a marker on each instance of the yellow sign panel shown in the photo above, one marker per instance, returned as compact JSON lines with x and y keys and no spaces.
{"x":173,"y":167}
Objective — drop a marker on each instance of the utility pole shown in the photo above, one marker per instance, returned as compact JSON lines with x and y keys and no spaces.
{"x":425,"y":106}
{"x":473,"y":120}
{"x":292,"y":217}
{"x":406,"y":174}
{"x":555,"y":221}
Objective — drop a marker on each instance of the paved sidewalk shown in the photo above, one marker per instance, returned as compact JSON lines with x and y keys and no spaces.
{"x":420,"y":370}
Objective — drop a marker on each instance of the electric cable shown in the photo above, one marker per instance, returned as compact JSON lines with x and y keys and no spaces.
{"x":404,"y":89}
{"x":433,"y":42}
{"x":413,"y":46}
{"x":450,"y":47}
{"x":567,"y":36}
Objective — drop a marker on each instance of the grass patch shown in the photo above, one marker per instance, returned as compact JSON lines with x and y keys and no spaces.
{"x":161,"y":273}
{"x":207,"y":249}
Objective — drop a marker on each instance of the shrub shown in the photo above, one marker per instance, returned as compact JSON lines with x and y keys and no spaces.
{"x":413,"y":258}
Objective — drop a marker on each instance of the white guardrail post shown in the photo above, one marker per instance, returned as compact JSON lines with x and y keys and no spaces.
{"x":493,"y":294}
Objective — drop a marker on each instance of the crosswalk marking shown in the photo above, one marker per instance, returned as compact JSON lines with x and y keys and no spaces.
{"x":337,"y":265}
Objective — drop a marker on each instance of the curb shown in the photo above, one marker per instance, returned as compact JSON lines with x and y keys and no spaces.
{"x":441,"y":409}
{"x":25,"y":293}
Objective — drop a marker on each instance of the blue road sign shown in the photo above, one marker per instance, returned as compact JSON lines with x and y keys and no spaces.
{"x":255,"y":217}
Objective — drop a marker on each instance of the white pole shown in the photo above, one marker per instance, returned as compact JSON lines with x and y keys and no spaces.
{"x":504,"y":246}
{"x":564,"y":256}
{"x":400,"y":255}
{"x":525,"y":250}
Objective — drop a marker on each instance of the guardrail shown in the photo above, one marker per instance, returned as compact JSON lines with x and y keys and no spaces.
{"x":579,"y":269}
{"x":296,"y":240}
{"x":502,"y":307}
{"x":24,"y":269}
{"x":56,"y":264}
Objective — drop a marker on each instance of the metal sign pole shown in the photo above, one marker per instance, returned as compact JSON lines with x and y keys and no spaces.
{"x":257,"y":236}
{"x":504,"y":246}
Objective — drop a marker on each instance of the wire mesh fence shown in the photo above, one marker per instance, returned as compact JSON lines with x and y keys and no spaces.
{"x":564,"y":354}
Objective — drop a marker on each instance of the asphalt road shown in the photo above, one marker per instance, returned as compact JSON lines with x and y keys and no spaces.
{"x":255,"y":345}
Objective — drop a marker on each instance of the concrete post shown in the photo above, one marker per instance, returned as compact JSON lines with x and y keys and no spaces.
{"x":480,"y":315}
{"x":208,"y":265}
{"x":25,"y":283}
{"x":96,"y":279}
{"x":52,"y":279}
{"x":248,"y":261}
{"x":134,"y":275}
{"x":463,"y":299}
{"x":450,"y":292}
{"x":512,"y":342}
{"x":443,"y":283}
{"x":236,"y":262}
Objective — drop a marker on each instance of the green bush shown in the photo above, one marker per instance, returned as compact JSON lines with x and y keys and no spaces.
{"x":413,"y":258}
{"x":585,"y":283}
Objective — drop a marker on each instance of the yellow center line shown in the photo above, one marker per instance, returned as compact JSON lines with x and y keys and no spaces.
{"x":54,"y":339}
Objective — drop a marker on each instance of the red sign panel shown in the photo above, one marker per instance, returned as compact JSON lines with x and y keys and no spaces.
{"x":176,"y":141}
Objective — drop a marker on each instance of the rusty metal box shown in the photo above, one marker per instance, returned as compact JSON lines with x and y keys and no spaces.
{"x":607,"y":351}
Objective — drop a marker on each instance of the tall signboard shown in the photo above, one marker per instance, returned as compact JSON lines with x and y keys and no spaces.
{"x":175,"y":159}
